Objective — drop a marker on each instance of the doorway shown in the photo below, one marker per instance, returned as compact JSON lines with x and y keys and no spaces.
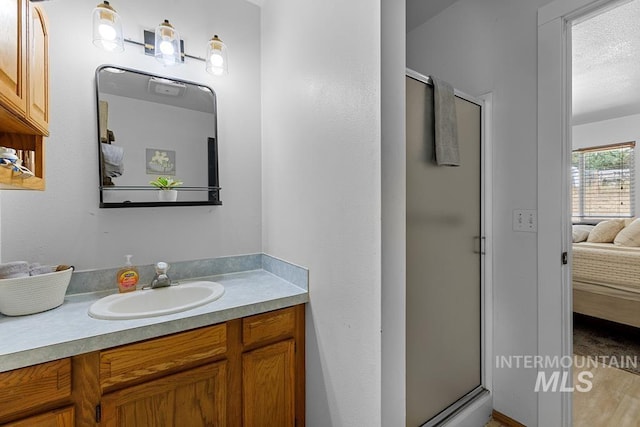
{"x":555,"y":296}
{"x":605,"y":124}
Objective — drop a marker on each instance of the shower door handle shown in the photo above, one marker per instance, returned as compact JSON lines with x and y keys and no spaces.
{"x":479,"y":245}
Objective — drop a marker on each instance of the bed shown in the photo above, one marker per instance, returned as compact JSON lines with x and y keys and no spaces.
{"x":606,"y":282}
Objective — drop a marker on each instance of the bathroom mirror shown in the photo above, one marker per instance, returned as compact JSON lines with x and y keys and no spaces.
{"x":149,"y":127}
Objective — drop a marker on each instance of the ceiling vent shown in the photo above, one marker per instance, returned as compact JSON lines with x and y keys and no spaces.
{"x":167,"y":87}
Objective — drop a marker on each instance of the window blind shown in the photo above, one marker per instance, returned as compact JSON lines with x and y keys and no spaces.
{"x":603,"y":182}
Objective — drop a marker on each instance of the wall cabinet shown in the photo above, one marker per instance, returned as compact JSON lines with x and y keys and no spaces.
{"x":13,"y":48}
{"x":38,"y":71}
{"x":24,"y":88}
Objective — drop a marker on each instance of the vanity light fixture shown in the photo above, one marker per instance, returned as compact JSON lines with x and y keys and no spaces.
{"x":107,"y":28}
{"x":217,"y":63}
{"x":167,"y":44}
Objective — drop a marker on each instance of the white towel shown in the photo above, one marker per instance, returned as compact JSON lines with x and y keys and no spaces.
{"x":446,"y":124}
{"x":112,"y":156}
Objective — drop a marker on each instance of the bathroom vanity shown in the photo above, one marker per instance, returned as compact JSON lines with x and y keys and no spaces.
{"x":247,"y":371}
{"x":238,"y":361}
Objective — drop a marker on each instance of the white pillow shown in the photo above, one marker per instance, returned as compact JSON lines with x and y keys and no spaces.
{"x":581,"y":232}
{"x":606,"y":231}
{"x":630,"y":235}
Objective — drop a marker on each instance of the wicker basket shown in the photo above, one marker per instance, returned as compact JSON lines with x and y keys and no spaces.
{"x":33,"y":294}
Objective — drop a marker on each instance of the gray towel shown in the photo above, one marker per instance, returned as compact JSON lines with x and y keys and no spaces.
{"x":446,"y":124}
{"x":36,"y":269}
{"x":12,"y":270}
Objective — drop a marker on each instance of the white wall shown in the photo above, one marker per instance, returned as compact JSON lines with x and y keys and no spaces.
{"x":393,"y":213}
{"x":613,"y":131}
{"x":485,"y":46}
{"x":64,"y":224}
{"x":321,"y":191}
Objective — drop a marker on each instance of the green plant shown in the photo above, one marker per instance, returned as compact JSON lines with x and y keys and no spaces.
{"x":165,"y":183}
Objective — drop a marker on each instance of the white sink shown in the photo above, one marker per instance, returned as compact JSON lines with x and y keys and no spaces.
{"x":156,"y":302}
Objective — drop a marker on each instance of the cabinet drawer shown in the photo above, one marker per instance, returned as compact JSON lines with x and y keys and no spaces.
{"x":268,"y":326}
{"x":34,"y":386}
{"x":133,"y":362}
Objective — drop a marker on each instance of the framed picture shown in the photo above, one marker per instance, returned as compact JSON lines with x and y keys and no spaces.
{"x":160,"y":162}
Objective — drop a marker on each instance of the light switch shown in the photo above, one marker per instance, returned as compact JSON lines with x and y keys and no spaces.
{"x":525,"y":220}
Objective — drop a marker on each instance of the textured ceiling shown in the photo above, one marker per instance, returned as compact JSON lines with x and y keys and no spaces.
{"x":420,"y":11}
{"x":606,"y":64}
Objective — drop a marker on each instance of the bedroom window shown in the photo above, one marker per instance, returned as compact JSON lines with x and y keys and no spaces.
{"x":602,"y":181}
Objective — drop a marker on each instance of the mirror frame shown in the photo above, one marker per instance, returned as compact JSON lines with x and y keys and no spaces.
{"x":213,"y":188}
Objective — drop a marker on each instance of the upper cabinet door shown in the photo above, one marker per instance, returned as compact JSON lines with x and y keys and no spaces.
{"x":13,"y":18}
{"x":38,"y":64}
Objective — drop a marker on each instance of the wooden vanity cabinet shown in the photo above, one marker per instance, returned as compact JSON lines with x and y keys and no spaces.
{"x":195,"y":398}
{"x":58,"y":418}
{"x":246,"y":372}
{"x":37,"y":395}
{"x":24,"y":87}
{"x":272,"y":381}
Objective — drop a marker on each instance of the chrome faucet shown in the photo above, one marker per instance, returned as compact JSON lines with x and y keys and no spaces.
{"x":161,"y":280}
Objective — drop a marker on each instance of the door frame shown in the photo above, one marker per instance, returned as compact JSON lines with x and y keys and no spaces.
{"x":478,"y":410}
{"x":554,"y":205}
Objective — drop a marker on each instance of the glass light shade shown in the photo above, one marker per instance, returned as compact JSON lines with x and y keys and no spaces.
{"x":107,"y":28}
{"x":167,"y":46}
{"x":217,"y":62}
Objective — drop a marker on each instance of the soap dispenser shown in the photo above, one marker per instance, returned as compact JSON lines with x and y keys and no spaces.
{"x":127,"y":277}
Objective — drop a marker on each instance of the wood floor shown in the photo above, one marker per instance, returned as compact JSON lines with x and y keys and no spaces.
{"x":614,"y":400}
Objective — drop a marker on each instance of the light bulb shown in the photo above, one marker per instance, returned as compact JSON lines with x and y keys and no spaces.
{"x":107,"y":28}
{"x":217,"y":60}
{"x":166,"y":47}
{"x":107,"y":32}
{"x":216,"y":57}
{"x":167,"y":44}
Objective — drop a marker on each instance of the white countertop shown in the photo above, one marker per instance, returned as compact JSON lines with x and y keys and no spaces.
{"x":68,"y":330}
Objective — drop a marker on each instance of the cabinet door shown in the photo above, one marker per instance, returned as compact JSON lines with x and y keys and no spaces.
{"x":27,"y":389}
{"x":192,"y":398}
{"x":38,"y":65}
{"x":13,"y":18}
{"x":268,"y":385}
{"x":60,"y":418}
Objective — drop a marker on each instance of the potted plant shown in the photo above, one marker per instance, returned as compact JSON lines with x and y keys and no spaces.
{"x":166,"y":185}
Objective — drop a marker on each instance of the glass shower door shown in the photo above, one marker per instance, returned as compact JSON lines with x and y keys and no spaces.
{"x":444,"y":264}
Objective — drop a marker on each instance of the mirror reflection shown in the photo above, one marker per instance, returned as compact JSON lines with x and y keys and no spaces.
{"x":155,"y":129}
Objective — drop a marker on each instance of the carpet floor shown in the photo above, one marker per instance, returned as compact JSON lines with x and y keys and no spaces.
{"x":597,"y":337}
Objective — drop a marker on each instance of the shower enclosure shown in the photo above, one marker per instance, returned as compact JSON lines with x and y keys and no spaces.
{"x":444,"y":261}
